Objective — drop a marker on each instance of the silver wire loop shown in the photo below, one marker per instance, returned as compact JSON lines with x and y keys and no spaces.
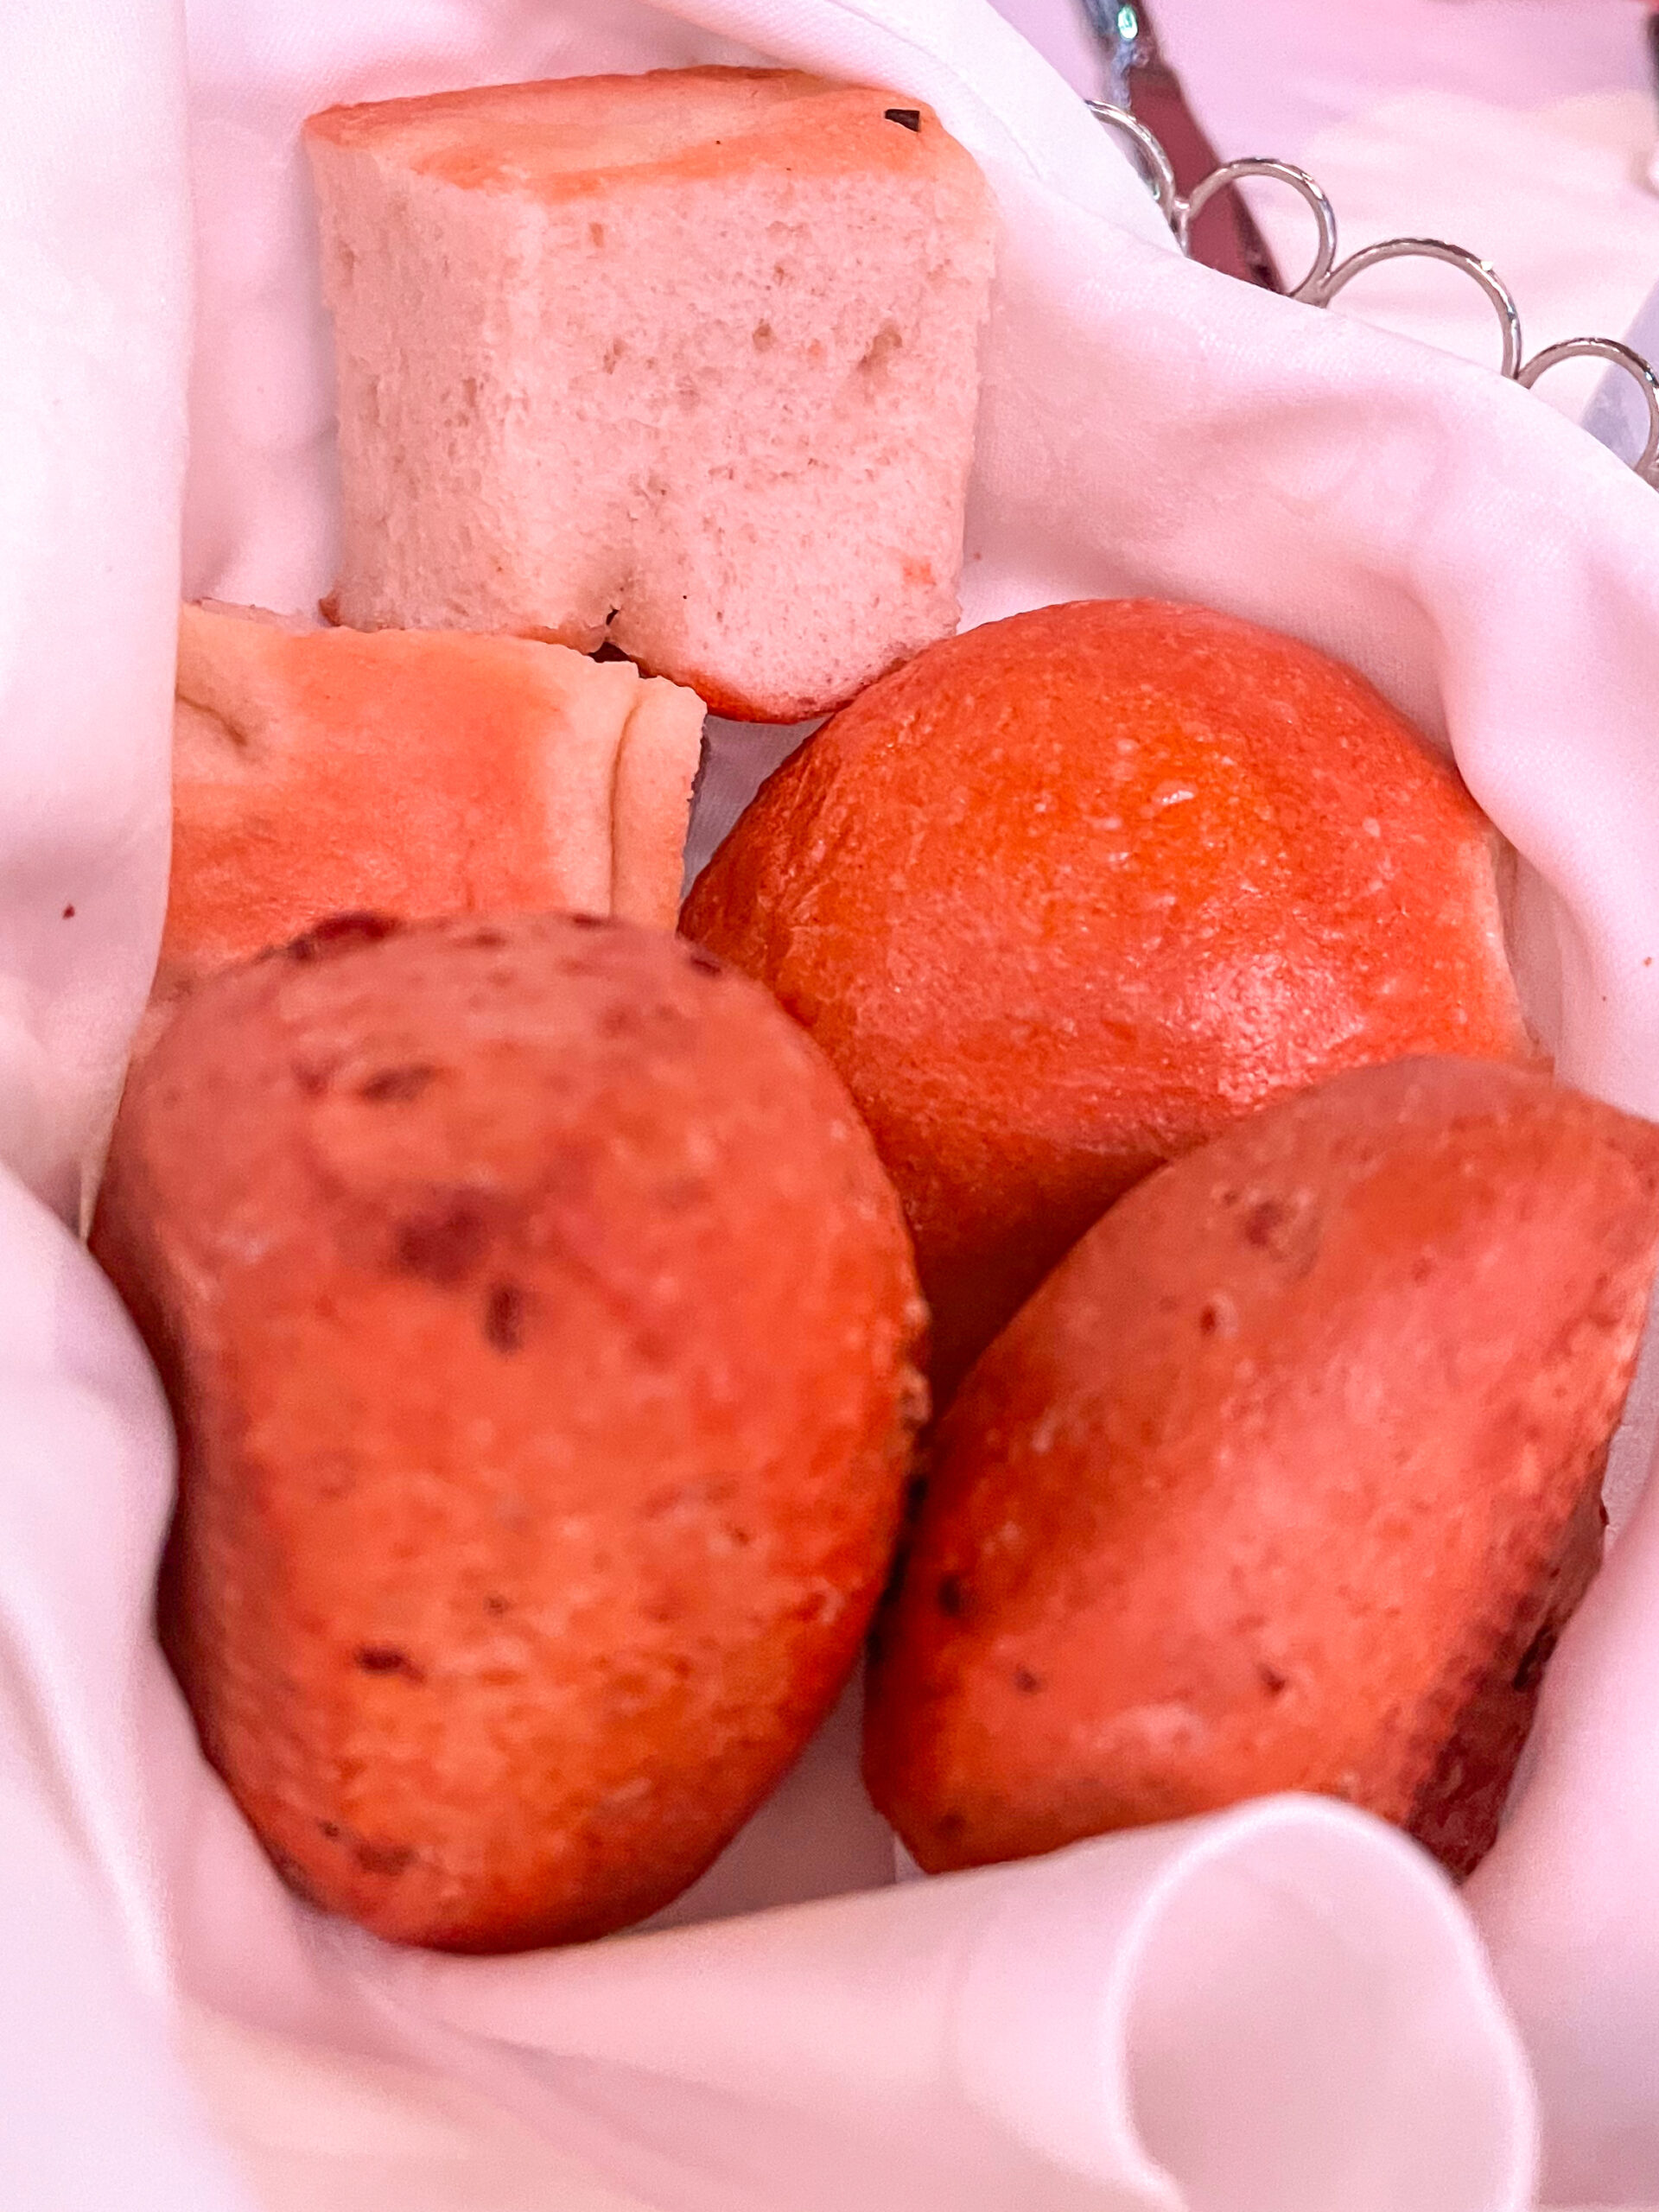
{"x":1161,"y":178}
{"x":1325,"y":215}
{"x":1641,"y":372}
{"x":1327,"y":277}
{"x":1486,"y":276}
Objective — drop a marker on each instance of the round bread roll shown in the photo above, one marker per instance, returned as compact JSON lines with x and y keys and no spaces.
{"x":1066,"y":894}
{"x":1277,"y":1483}
{"x":537,"y":1321}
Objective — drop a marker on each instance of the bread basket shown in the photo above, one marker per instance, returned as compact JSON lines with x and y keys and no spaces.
{"x":1283,"y":2007}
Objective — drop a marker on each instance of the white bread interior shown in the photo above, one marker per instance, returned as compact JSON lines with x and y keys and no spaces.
{"x":685,"y":361}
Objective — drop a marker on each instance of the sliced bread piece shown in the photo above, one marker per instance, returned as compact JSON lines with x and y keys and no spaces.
{"x":686,"y":361}
{"x":412,"y":773}
{"x":651,"y":796}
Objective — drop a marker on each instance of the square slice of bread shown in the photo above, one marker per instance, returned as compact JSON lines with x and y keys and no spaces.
{"x":687,"y":361}
{"x":411,"y":773}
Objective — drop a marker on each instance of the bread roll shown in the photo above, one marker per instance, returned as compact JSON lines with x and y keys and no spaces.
{"x":537,"y":1322}
{"x":1069,"y":893}
{"x":1286,"y":1480}
{"x":414,"y":774}
{"x":686,"y":361}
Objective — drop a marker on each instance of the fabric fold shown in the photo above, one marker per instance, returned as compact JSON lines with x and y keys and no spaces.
{"x":1123,"y":2023}
{"x":94,"y":336}
{"x":1283,"y":2006}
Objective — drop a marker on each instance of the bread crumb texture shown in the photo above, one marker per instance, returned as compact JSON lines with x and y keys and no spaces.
{"x":687,"y":361}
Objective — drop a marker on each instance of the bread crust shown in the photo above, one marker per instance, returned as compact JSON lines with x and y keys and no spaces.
{"x":537,"y":1324}
{"x":685,"y":362}
{"x":1069,"y":893}
{"x":565,"y":138}
{"x":411,"y":773}
{"x":1284,"y":1480}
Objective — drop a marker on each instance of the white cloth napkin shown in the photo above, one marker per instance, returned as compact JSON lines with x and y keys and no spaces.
{"x":1282,"y":2008}
{"x":1296,"y":69}
{"x":1555,"y":197}
{"x":1521,"y":129}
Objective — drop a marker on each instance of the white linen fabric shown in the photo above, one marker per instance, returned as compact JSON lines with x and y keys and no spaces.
{"x":1267,"y":78}
{"x":94,"y":330}
{"x":1284,"y":2008}
{"x":1300,"y":67}
{"x":1521,"y":129}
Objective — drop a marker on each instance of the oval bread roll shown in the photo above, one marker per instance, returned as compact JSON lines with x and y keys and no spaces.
{"x":537,"y":1323}
{"x":1284,"y":1480}
{"x":1069,"y":893}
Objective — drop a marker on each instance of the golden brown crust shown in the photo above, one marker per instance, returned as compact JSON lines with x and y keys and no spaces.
{"x":1067,"y":894}
{"x":525,"y":138}
{"x":1456,"y":1811}
{"x":537,"y":1323}
{"x":1287,"y":1462}
{"x":418,"y":773}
